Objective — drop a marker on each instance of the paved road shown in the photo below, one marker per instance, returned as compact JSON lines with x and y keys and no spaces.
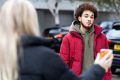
{"x":116,"y":77}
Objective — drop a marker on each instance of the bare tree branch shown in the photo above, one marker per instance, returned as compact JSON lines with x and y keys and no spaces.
{"x":108,"y":3}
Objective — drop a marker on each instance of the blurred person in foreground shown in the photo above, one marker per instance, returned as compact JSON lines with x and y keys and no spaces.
{"x":23,"y":55}
{"x":84,"y":40}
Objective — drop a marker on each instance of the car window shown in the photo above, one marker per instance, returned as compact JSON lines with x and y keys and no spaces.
{"x":54,"y":31}
{"x":116,"y":26}
{"x":65,"y":29}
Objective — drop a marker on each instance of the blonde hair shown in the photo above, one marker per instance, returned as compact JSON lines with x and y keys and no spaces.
{"x":21,"y":16}
{"x":17,"y":18}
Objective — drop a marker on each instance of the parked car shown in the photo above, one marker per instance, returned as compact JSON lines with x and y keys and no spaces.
{"x":56,"y":34}
{"x":112,"y":31}
{"x":108,"y":25}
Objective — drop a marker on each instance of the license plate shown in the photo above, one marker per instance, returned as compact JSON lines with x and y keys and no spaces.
{"x":117,"y":47}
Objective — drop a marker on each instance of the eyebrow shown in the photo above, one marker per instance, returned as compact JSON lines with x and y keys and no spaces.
{"x":87,"y":14}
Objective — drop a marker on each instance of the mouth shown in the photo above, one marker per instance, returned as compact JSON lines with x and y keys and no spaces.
{"x":89,"y":23}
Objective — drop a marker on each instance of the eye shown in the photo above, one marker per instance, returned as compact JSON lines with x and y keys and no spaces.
{"x":86,"y":16}
{"x":92,"y":17}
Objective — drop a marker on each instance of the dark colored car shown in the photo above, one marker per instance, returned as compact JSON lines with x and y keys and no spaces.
{"x":56,"y":34}
{"x":112,"y":31}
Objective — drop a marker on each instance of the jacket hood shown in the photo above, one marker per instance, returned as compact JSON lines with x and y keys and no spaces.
{"x":34,"y":41}
{"x":75,"y":27}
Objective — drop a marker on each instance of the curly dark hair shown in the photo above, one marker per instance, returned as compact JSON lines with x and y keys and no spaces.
{"x":86,"y":6}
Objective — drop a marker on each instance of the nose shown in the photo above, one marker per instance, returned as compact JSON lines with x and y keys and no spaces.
{"x":89,"y":18}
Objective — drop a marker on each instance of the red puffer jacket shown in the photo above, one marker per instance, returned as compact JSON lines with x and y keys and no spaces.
{"x":72,"y":49}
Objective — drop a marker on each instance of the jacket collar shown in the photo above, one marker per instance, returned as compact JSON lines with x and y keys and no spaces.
{"x":74,"y":29}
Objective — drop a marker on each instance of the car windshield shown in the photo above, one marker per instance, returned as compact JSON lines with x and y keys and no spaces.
{"x":65,"y":29}
{"x":54,"y":31}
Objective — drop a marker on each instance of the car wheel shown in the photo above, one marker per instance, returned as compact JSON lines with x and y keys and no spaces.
{"x":113,"y":70}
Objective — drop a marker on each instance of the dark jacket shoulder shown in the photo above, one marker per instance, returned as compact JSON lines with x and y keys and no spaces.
{"x":95,"y":72}
{"x":41,"y":63}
